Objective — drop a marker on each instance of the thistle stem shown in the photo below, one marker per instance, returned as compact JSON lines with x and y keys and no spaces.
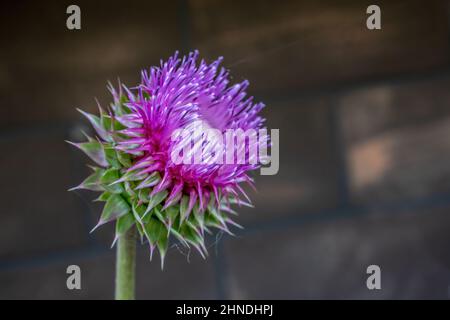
{"x":126,"y":265}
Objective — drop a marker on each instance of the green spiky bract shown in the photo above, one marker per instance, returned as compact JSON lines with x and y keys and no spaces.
{"x":128,"y":205}
{"x":143,"y":189}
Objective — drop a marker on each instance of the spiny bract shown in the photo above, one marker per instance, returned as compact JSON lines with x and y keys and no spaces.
{"x":139,"y":182}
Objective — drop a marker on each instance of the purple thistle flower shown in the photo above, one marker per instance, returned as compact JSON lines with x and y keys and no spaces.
{"x":141,"y":183}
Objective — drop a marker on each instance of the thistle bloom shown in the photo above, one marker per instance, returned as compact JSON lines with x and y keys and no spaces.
{"x":140,"y":183}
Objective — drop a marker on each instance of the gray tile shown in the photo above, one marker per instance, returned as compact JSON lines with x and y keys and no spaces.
{"x":329,"y":259}
{"x":180,"y":279}
{"x":48,"y":281}
{"x":38,"y":215}
{"x":396,"y":140}
{"x":185,"y":276}
{"x":301,"y":44}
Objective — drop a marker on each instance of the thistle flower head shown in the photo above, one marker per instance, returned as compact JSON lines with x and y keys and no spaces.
{"x":138,"y":136}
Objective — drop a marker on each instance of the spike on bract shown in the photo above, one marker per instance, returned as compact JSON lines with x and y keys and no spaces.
{"x":141,"y":185}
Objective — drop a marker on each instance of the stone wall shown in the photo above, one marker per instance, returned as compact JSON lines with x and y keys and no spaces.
{"x":364,"y":119}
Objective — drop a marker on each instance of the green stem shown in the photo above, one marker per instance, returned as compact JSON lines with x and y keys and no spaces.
{"x":126,"y":265}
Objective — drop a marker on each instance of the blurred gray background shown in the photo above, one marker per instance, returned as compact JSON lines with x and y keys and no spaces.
{"x":364,"y":119}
